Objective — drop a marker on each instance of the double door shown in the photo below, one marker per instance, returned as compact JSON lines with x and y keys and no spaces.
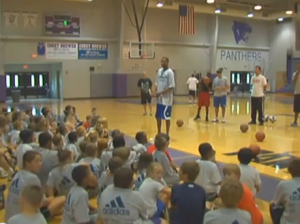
{"x":240,"y":81}
{"x":30,"y":84}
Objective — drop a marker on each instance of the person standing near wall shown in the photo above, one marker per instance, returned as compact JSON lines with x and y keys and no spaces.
{"x":165,"y":84}
{"x":192,"y":83}
{"x":220,"y":87}
{"x":259,"y":85}
{"x":296,"y":84}
{"x":145,"y":86}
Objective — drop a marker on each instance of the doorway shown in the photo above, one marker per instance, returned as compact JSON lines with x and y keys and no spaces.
{"x":30,"y":84}
{"x":240,"y":81}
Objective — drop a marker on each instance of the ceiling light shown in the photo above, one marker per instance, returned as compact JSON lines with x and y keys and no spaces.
{"x":250,"y":15}
{"x":289,"y":12}
{"x":218,"y":10}
{"x":280,"y":19}
{"x":159,"y":4}
{"x":90,"y":0}
{"x":258,"y":7}
{"x":210,"y":1}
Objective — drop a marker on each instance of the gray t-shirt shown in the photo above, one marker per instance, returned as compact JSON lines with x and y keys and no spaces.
{"x":21,"y":180}
{"x":95,"y":165}
{"x":250,"y":177}
{"x":72,"y":147}
{"x":150,"y":189}
{"x":297,"y":84}
{"x":169,"y":175}
{"x":105,"y":157}
{"x":165,"y":80}
{"x":122,"y":206}
{"x":21,"y":149}
{"x":104,"y":181}
{"x":50,"y":160}
{"x":288,"y":194}
{"x":24,"y":219}
{"x":220,"y":82}
{"x":76,"y":208}
{"x":227,"y":216}
{"x":14,"y":136}
{"x":60,"y":178}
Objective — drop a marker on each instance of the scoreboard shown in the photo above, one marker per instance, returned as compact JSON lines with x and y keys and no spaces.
{"x":62,"y":25}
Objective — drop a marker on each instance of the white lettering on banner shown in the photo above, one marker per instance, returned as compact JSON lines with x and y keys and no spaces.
{"x":230,"y":55}
{"x":61,"y":50}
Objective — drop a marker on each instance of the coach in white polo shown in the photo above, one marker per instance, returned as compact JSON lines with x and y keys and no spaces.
{"x":259,"y":84}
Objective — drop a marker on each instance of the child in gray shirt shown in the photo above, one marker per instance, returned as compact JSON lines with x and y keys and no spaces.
{"x":77,"y":208}
{"x":32,"y":197}
{"x":169,"y":174}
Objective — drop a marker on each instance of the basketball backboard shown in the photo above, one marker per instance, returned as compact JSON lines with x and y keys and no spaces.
{"x":139,"y":50}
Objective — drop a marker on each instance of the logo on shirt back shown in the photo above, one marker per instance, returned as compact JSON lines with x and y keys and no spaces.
{"x":296,"y":195}
{"x":14,"y":188}
{"x":116,"y":207}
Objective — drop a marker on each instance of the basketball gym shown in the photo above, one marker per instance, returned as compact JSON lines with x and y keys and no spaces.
{"x":91,"y":54}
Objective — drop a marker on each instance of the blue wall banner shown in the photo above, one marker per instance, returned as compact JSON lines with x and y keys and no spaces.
{"x":93,"y":51}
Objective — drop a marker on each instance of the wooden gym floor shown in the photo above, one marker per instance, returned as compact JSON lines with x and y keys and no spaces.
{"x":280,"y":145}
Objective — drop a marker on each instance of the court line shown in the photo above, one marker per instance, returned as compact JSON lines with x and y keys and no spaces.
{"x":180,"y":157}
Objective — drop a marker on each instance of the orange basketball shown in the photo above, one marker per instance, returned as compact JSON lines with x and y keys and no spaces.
{"x":255,"y":149}
{"x":260,"y":136}
{"x":206,"y":80}
{"x":179,"y":123}
{"x":244,"y":128}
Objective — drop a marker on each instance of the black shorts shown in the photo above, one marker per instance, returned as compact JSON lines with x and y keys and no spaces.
{"x":146,"y":98}
{"x":297,"y":103}
{"x":192,"y":93}
{"x":45,"y":212}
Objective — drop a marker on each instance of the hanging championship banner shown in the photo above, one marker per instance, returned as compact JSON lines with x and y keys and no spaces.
{"x":11,"y":18}
{"x":30,"y":19}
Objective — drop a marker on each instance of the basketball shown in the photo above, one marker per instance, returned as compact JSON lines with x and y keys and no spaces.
{"x":244,"y":128}
{"x":206,"y":80}
{"x":260,"y":136}
{"x":179,"y":123}
{"x":255,"y":149}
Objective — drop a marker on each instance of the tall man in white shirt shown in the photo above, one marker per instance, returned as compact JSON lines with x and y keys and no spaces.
{"x":259,"y":84}
{"x":192,"y":86}
{"x":296,"y":84}
{"x":165,"y":84}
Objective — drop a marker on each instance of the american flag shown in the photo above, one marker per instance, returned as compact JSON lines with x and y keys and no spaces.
{"x":186,"y":19}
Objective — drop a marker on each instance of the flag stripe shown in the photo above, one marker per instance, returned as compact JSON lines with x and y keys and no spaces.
{"x":186,"y":19}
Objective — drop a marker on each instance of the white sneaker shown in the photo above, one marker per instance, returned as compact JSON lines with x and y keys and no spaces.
{"x":223,"y":120}
{"x":216,"y":120}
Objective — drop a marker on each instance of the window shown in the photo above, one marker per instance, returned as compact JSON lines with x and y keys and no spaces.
{"x":16,"y":80}
{"x":232,"y":78}
{"x":41,"y":80}
{"x":32,"y":80}
{"x":8,"y":81}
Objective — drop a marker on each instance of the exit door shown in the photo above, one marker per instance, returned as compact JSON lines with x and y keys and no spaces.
{"x":30,"y":84}
{"x":240,"y":81}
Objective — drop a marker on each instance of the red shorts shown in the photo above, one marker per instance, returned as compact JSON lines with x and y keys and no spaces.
{"x":203,"y":99}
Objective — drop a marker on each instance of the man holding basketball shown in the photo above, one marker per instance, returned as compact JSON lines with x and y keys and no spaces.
{"x":203,"y":98}
{"x":165,"y":84}
{"x":296,"y":84}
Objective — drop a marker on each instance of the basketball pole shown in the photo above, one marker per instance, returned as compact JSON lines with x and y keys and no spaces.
{"x":139,"y":27}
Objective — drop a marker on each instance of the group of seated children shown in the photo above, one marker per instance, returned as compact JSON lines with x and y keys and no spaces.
{"x":63,"y":167}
